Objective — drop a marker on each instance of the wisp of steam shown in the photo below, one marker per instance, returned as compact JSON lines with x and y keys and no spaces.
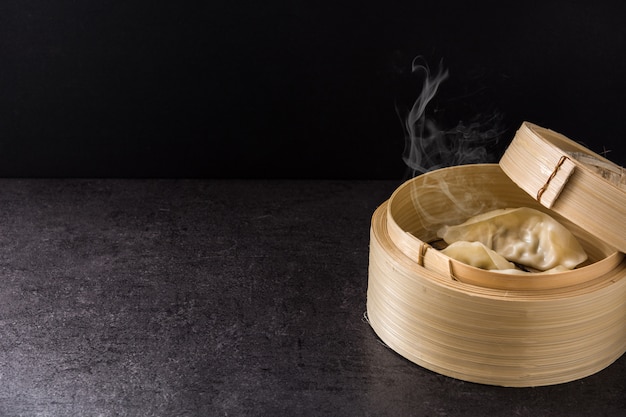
{"x":429,"y":146}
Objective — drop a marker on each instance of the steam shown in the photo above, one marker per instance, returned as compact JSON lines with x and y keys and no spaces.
{"x":428,"y":146}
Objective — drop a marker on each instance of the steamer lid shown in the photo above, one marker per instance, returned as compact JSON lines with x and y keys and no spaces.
{"x":571,"y":180}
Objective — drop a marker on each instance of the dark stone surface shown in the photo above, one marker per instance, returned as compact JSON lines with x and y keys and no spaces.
{"x":217,"y":298}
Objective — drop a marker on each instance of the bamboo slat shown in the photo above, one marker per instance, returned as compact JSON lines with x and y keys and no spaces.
{"x":481,"y":326}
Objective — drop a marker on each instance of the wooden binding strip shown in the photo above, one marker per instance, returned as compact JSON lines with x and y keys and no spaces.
{"x":542,"y":163}
{"x":556,"y":190}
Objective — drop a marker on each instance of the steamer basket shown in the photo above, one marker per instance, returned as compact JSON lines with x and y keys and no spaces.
{"x":418,"y":208}
{"x":482,"y":326}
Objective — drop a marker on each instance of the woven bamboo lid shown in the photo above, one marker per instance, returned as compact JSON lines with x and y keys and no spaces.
{"x":571,"y":180}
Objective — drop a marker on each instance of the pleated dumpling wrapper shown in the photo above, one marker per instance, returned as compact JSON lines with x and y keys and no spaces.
{"x":478,"y":255}
{"x":523,"y":235}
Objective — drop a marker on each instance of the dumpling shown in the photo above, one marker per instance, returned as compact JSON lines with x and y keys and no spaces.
{"x":478,"y":255}
{"x":523,"y":235}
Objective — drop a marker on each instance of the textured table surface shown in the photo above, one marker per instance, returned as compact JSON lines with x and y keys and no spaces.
{"x":217,"y":298}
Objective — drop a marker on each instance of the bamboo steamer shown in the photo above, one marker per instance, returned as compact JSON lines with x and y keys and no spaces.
{"x":483,"y":326}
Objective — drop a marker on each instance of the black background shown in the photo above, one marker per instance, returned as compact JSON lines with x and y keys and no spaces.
{"x":288,"y":89}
